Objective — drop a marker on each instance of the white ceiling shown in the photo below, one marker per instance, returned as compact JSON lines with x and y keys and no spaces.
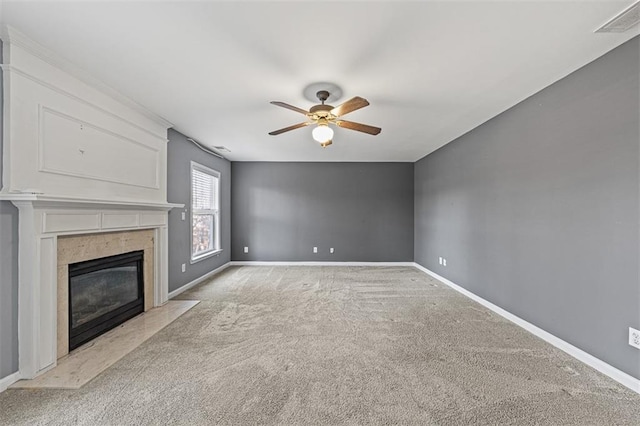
{"x":432,"y":71}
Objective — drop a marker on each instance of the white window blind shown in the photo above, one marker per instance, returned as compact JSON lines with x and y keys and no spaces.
{"x":205,"y":230}
{"x":202,"y":190}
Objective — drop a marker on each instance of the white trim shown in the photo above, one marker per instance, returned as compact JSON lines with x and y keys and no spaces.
{"x":606,"y":369}
{"x":5,"y":382}
{"x":197,"y":281}
{"x":214,"y":213}
{"x":207,"y":255}
{"x":123,"y":181}
{"x":304,"y":263}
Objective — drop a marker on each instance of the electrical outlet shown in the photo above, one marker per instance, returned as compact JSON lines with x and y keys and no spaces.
{"x":331,"y":250}
{"x":246,"y":249}
{"x":184,"y":267}
{"x":440,"y":260}
{"x":315,"y":249}
{"x":634,"y":337}
{"x":444,"y":262}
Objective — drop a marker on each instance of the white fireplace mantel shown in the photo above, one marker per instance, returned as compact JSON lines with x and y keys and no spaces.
{"x":42,"y":220}
{"x":78,"y":158}
{"x":63,"y":201}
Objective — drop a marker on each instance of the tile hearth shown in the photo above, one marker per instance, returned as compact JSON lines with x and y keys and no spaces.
{"x":82,"y":365}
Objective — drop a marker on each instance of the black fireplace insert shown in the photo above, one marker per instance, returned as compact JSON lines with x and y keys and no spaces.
{"x":104,"y":293}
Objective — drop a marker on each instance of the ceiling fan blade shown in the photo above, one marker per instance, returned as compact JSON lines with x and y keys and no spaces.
{"x":349,"y":106}
{"x":286,"y":129}
{"x":365,"y":128}
{"x":291,"y":107}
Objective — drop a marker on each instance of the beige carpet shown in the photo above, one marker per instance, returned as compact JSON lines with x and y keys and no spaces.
{"x":335,"y":345}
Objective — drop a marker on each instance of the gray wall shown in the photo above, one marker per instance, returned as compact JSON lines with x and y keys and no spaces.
{"x":282,"y":210}
{"x":537,"y":210}
{"x":8,"y":274}
{"x":180,"y":153}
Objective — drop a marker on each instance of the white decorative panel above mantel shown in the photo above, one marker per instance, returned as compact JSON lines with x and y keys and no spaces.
{"x":73,"y":147}
{"x":69,"y":135}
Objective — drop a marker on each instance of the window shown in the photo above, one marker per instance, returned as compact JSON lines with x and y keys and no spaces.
{"x":205,"y":212}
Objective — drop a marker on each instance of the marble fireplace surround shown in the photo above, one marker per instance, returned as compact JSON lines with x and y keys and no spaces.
{"x":83,"y":247}
{"x":55,"y":231}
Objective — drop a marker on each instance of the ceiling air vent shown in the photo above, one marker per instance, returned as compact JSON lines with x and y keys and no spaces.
{"x":623,"y":21}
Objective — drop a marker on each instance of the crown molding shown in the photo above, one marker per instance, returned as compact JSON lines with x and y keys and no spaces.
{"x":14,"y":37}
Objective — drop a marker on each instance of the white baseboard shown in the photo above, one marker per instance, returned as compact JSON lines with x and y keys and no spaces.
{"x":5,"y":382}
{"x":617,"y":375}
{"x":197,"y":281}
{"x":304,"y":263}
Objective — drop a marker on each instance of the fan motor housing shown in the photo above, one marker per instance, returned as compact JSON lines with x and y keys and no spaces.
{"x":320,"y":111}
{"x":320,"y":108}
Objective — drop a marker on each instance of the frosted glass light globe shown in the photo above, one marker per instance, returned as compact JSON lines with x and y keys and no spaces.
{"x":322,"y":133}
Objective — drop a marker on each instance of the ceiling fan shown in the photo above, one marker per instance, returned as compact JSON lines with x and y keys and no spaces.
{"x":322,"y":115}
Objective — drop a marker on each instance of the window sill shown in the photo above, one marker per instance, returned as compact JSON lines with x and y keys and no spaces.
{"x":205,"y":256}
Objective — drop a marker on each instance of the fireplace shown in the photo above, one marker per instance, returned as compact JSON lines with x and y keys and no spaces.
{"x":104,"y":293}
{"x":72,"y":208}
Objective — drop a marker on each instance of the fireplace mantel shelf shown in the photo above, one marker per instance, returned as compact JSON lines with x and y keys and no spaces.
{"x":43,"y":200}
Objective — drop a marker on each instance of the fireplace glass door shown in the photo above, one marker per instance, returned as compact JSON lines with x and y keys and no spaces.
{"x":104,"y":293}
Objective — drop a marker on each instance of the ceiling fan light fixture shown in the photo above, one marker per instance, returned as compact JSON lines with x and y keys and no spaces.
{"x":322,"y":133}
{"x":323,"y":114}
